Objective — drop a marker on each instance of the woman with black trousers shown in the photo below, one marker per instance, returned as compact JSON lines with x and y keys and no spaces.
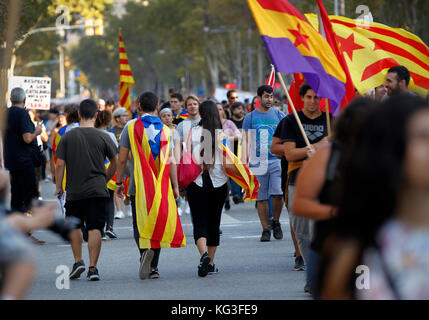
{"x":206,"y":195}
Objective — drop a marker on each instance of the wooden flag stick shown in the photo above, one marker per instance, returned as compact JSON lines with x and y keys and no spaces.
{"x":328,"y":120}
{"x":301,"y":128}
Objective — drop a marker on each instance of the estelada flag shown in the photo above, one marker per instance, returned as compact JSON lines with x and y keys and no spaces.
{"x":126,"y":80}
{"x":157,"y":217}
{"x":295,"y":46}
{"x":240,"y":173}
{"x":371,"y":48}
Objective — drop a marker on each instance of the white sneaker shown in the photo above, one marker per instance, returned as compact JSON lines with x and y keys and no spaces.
{"x":128,"y":212}
{"x":187,"y":208}
{"x":119,"y":215}
{"x":179,"y":211}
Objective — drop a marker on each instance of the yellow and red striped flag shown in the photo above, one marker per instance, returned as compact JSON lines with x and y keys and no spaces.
{"x":126,"y":80}
{"x":157,"y":217}
{"x":371,"y":48}
{"x":240,"y":173}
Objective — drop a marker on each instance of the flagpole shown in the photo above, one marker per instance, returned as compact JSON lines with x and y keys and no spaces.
{"x":328,"y":120}
{"x":301,"y":128}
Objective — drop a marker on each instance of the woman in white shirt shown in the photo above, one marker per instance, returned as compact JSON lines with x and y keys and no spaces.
{"x":206,"y":195}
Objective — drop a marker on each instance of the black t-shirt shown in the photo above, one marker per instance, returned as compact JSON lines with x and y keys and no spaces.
{"x":84,"y":151}
{"x":288,"y":131}
{"x":17,"y":153}
{"x":239,"y":125}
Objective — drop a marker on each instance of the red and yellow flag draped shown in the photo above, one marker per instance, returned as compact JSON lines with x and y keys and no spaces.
{"x":157,"y":218}
{"x":370,"y":49}
{"x":241,"y":175}
{"x":126,"y":80}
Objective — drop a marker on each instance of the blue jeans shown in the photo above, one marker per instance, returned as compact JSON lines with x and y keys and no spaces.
{"x":313,"y":268}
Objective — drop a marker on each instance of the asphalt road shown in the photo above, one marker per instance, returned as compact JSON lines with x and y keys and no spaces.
{"x":248,"y":269}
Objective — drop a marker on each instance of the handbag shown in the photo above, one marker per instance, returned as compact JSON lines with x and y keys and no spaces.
{"x":188,"y":168}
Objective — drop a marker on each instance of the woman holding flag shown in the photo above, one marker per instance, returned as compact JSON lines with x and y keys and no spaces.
{"x":207,"y":194}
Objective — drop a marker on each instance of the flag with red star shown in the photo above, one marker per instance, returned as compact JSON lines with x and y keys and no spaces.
{"x":296,"y":47}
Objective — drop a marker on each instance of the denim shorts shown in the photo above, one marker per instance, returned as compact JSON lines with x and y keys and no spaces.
{"x":270,"y":182}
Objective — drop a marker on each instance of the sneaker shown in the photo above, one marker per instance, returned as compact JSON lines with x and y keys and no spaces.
{"x":104,"y":238}
{"x":307,"y":289}
{"x":111,"y":234}
{"x":93,"y":274}
{"x":128,"y":212}
{"x":36,"y":241}
{"x":212,"y":269}
{"x":187,"y":208}
{"x":145,"y":262}
{"x":119,"y":215}
{"x":179,"y":211}
{"x":203,"y":268}
{"x":227,"y":205}
{"x":266,"y":236}
{"x":77,"y":270}
{"x":236,"y":199}
{"x":277,"y":230}
{"x":154,"y":274}
{"x":299,"y":264}
{"x":270,"y":224}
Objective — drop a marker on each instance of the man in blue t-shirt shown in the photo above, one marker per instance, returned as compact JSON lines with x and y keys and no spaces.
{"x":258,"y":130}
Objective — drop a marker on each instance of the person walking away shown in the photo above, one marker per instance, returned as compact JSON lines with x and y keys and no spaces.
{"x":206,"y":195}
{"x":83,"y":150}
{"x":153,"y":185}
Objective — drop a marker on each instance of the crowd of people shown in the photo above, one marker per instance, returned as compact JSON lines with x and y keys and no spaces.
{"x":356,"y":196}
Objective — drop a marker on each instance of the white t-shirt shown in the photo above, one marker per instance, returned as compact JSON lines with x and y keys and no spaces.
{"x":217,"y":174}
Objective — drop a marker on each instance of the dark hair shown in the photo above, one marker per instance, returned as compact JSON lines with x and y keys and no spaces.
{"x":351,"y":119}
{"x":54,"y":111}
{"x":371,"y":175}
{"x":110,"y":102}
{"x":103,"y":119}
{"x":304,"y":88}
{"x":178,"y":96}
{"x":402,"y":73}
{"x":264,"y":88}
{"x":374,"y":174}
{"x":236,"y":105}
{"x":210,"y":120}
{"x":148,"y":101}
{"x":228,"y":94}
{"x":88,"y":108}
{"x":72,"y":113}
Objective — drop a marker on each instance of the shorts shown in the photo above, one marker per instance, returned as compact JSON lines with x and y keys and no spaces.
{"x":270,"y":182}
{"x":91,"y":211}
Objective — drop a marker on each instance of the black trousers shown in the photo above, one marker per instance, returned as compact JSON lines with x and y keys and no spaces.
{"x":157,"y":252}
{"x":23,"y":189}
{"x":206,"y":205}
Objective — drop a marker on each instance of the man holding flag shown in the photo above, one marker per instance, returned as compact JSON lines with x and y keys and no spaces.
{"x":153,"y":185}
